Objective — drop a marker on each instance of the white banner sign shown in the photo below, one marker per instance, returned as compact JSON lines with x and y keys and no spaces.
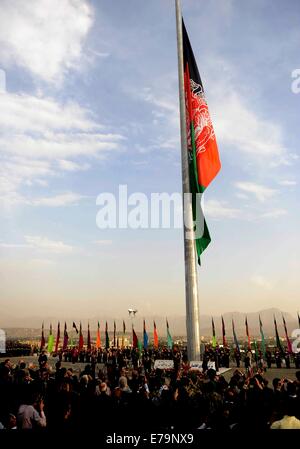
{"x":164,"y":364}
{"x":196,"y":365}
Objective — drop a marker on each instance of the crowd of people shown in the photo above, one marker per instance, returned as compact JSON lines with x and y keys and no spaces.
{"x":127,"y":392}
{"x":221,"y":356}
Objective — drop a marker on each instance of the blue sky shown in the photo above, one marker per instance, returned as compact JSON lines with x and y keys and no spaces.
{"x":91,"y":102}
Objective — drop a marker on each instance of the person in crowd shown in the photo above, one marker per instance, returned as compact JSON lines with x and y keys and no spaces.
{"x":31,"y":414}
{"x":278,"y":358}
{"x":237,"y":357}
{"x":289,"y":420}
{"x":269,"y":359}
{"x":43,"y":359}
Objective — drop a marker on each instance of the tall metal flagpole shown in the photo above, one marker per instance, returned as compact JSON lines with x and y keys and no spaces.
{"x":191,"y":283}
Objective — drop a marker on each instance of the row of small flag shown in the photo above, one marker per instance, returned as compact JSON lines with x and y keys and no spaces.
{"x":53,"y":345}
{"x":263,"y":343}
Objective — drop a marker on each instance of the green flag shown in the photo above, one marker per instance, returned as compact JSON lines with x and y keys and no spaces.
{"x":140,"y":347}
{"x":169,"y":337}
{"x":256,"y":350}
{"x":214,"y":340}
{"x":263,"y":343}
{"x":50,"y":340}
{"x":71,"y":340}
{"x":278,"y":342}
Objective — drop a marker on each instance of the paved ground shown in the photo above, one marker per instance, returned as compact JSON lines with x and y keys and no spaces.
{"x":78,"y":367}
{"x":270,"y":374}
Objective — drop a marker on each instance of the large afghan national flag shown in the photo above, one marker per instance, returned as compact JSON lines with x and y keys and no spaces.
{"x":204,"y":161}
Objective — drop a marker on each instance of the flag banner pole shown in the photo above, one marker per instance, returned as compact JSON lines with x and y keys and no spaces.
{"x":191,"y":283}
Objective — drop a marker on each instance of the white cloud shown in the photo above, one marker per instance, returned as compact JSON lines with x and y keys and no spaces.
{"x":44,"y":244}
{"x":241,"y":196}
{"x":262,"y":193}
{"x":72,"y":166}
{"x":45,"y":37}
{"x":12,"y":198}
{"x":14,"y":245}
{"x":21,"y":113}
{"x":260,"y":281}
{"x":39,"y":135}
{"x":275,"y":213}
{"x":41,"y":244}
{"x":52,"y":146}
{"x":103,"y":242}
{"x":99,"y":54}
{"x":237,"y":125}
{"x":165,"y":110}
{"x":219,"y":209}
{"x":63,"y":199}
{"x":287,"y":183}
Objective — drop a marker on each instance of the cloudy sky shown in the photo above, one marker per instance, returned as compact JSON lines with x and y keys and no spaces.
{"x":89,"y":100}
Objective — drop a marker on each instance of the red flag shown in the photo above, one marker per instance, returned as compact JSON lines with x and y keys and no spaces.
{"x":57,"y":337}
{"x":155,"y":337}
{"x":134,"y":339}
{"x":248,"y":335}
{"x":288,"y":341}
{"x":224,"y":333}
{"x":98,"y":340}
{"x":115,"y":328}
{"x":80,"y":343}
{"x":107,"y":343}
{"x":89,"y":344}
{"x":43,"y":342}
{"x":66,"y":338}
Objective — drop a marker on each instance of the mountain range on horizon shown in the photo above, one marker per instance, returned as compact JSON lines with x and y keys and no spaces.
{"x":31,"y":326}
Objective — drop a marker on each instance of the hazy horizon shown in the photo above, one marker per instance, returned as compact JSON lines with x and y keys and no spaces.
{"x":176,"y":322}
{"x":101,"y":109}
